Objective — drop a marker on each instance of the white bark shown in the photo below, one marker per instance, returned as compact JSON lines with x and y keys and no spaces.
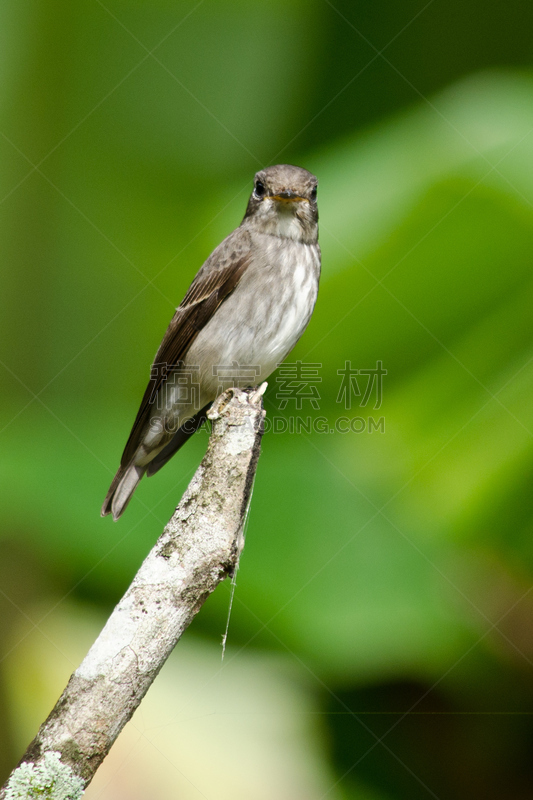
{"x":199,"y":547}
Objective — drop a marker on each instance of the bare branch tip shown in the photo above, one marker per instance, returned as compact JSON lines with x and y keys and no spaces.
{"x":252,"y":397}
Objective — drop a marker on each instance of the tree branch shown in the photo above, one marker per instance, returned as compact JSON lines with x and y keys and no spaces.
{"x":199,"y":547}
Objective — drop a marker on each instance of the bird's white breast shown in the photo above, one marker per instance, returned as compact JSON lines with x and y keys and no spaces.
{"x":300,"y":296}
{"x":261,"y":321}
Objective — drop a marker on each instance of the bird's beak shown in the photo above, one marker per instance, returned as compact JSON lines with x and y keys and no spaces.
{"x":287,"y":197}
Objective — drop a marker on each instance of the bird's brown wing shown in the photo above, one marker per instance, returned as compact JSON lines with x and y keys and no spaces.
{"x":214,"y":282}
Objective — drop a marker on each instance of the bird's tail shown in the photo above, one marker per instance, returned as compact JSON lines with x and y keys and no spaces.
{"x":121,"y":490}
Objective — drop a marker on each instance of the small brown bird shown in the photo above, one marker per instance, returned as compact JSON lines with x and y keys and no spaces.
{"x":244,"y":311}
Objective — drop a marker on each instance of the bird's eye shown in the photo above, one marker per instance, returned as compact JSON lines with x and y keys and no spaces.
{"x":259,"y":189}
{"x":313,"y":193}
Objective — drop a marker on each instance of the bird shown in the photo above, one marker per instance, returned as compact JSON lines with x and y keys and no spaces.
{"x":243,"y":313}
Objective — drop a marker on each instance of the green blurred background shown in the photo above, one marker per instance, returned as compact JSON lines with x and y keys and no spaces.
{"x":381,"y":639}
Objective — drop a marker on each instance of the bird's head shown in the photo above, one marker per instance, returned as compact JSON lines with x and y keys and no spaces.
{"x":283,"y":203}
